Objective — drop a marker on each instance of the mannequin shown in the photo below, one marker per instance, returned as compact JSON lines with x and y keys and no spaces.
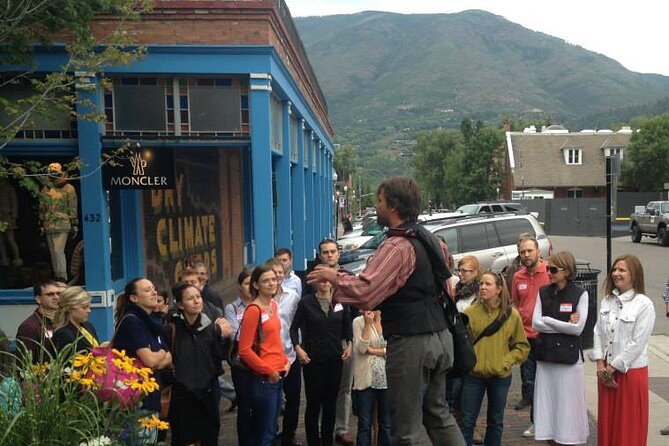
{"x":9,"y":212}
{"x":58,"y":216}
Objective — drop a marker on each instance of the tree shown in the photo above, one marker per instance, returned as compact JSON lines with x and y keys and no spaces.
{"x":432,"y":163}
{"x":646,"y":166}
{"x":459,"y":167}
{"x":27,"y":24}
{"x":345,"y":159}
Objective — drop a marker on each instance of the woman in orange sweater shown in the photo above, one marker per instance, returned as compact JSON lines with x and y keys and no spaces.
{"x":264,"y":355}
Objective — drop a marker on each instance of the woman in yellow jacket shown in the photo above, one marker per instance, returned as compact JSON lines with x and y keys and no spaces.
{"x":500,"y":342}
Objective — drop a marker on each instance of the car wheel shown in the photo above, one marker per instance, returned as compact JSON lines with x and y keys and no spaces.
{"x":636,"y":234}
{"x":663,"y":236}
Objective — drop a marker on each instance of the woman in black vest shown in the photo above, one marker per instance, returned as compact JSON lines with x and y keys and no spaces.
{"x":560,"y":410}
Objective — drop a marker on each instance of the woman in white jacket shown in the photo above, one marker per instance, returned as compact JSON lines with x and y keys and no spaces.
{"x":624,"y":325}
{"x":369,"y":378}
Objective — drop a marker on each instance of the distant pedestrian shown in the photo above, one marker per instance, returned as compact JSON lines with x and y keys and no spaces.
{"x":561,"y":412}
{"x":624,"y":326}
{"x":497,"y":352}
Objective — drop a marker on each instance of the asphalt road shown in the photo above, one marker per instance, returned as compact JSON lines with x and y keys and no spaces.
{"x":654,"y":258}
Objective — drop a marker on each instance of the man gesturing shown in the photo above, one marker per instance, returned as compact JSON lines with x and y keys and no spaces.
{"x":400,"y":281}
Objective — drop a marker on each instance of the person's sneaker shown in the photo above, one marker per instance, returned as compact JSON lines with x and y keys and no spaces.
{"x":522,"y":404}
{"x":344,"y":439}
{"x":529,"y":432}
{"x":665,"y":431}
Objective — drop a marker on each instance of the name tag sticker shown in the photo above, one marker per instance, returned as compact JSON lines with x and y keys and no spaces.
{"x":338,"y":307}
{"x":565,"y":308}
{"x":522,"y":286}
{"x":240,"y":316}
{"x":264,"y":318}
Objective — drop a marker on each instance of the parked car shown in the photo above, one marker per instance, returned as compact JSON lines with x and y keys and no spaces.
{"x":490,"y":237}
{"x":653,"y":222}
{"x":494,"y":206}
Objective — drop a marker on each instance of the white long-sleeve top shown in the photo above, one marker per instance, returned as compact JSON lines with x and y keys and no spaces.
{"x":547,"y":324}
{"x":623,"y":327}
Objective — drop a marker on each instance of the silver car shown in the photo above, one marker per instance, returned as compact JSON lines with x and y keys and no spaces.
{"x":492,"y":238}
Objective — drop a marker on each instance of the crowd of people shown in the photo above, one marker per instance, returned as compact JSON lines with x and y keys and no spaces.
{"x":378,"y":343}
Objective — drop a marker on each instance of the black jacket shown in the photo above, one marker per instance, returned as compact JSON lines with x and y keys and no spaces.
{"x":69,"y":334}
{"x":197,"y":352}
{"x":322,"y":334}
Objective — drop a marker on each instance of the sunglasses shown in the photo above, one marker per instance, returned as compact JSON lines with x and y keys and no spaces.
{"x":554,"y":269}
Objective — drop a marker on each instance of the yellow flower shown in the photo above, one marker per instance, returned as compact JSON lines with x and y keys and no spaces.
{"x":40,"y":368}
{"x":87,"y":382}
{"x":153,"y":422}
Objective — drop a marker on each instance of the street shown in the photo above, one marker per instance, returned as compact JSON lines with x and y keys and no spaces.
{"x":654,"y":258}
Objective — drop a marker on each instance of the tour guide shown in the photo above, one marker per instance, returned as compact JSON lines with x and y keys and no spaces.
{"x":399,"y":280}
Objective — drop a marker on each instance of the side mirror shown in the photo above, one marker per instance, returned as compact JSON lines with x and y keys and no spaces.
{"x":650,"y":211}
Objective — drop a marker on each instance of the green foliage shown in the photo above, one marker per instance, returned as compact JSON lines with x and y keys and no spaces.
{"x":23,"y":24}
{"x":345,"y":158}
{"x":435,"y":153}
{"x":53,"y":409}
{"x":646,"y":166}
{"x":459,"y":167}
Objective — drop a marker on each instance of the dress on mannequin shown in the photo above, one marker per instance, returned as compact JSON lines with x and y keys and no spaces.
{"x":58,"y":214}
{"x":9,"y":212}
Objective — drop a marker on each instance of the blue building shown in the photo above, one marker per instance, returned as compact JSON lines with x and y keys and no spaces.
{"x":227,"y":99}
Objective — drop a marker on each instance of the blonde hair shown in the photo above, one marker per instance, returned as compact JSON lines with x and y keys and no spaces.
{"x":70,"y":297}
{"x":504,"y":297}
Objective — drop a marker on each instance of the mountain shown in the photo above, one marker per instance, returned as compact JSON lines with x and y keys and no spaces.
{"x":387,"y":75}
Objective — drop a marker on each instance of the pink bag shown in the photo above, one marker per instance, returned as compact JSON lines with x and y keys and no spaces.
{"x":116,"y":382}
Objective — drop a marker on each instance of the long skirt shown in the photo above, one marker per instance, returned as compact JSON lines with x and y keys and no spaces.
{"x":623,"y":412}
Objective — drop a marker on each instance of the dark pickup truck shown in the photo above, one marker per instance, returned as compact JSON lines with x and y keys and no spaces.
{"x":653,"y":222}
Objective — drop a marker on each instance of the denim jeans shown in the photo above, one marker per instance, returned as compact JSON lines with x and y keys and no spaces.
{"x":265,"y":400}
{"x":454,"y":394}
{"x":367,"y":400}
{"x":473,"y":389}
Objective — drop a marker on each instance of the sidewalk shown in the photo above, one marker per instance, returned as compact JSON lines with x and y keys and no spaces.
{"x":515,"y":422}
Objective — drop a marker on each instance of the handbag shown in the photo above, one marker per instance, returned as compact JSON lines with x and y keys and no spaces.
{"x":235,"y":361}
{"x":464,"y":356}
{"x":557,"y":347}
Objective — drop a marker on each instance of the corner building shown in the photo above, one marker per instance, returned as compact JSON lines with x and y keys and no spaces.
{"x":226,"y":90}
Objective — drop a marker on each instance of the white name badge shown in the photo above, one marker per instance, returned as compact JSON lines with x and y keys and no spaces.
{"x":264,"y":318}
{"x":522,"y":286}
{"x":338,"y":307}
{"x":240,"y":316}
{"x":565,"y":308}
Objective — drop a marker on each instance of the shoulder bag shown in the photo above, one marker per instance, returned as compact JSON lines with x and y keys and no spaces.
{"x":235,"y":361}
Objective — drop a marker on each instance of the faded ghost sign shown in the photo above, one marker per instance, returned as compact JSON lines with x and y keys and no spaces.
{"x":184,"y":222}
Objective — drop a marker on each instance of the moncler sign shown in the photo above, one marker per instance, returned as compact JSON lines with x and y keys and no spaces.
{"x":141,"y":168}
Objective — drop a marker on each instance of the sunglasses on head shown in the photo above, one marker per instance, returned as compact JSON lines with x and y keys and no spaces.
{"x":554,"y":269}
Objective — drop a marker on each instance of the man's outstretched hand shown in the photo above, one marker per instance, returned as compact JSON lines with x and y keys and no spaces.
{"x":322,"y":273}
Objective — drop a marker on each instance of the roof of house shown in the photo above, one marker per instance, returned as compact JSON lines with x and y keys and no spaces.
{"x":537,"y":159}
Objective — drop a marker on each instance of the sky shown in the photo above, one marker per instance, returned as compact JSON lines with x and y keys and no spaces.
{"x":633,"y":33}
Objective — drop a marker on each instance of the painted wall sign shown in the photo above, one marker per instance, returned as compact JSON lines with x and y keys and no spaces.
{"x":142,"y":168}
{"x":183,"y":222}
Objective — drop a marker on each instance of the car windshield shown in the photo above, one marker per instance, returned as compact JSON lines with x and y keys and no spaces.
{"x":467,"y":209}
{"x":374,"y":242}
{"x":373,"y":229}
